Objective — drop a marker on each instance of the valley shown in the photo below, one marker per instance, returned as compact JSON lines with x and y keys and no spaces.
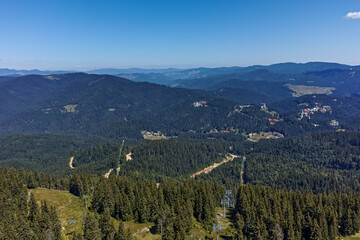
{"x":254,"y":131}
{"x":179,"y":120}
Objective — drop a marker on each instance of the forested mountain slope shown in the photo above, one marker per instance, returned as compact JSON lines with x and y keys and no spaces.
{"x":82,"y":104}
{"x":319,"y":162}
{"x":50,"y":153}
{"x":339,"y":82}
{"x":18,"y":94}
{"x":91,"y":101}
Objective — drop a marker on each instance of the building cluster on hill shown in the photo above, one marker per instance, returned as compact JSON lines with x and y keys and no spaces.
{"x":150,"y":134}
{"x":272,"y":121}
{"x":201,"y":103}
{"x":254,"y":137}
{"x":307,"y":112}
{"x":278,"y":135}
{"x":334,"y":123}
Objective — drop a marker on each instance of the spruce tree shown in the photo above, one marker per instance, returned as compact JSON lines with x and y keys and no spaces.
{"x":122,"y":234}
{"x":106,"y":225}
{"x":91,"y":228}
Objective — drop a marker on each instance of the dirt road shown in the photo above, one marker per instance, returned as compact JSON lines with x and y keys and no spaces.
{"x":228,"y":158}
{"x":108,"y":173}
{"x":70,"y":163}
{"x":242,"y":170}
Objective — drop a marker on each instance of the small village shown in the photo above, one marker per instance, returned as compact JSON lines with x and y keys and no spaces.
{"x":150,"y":135}
{"x":334,"y":123}
{"x":201,"y":103}
{"x":307,"y":112}
{"x":273,"y":121}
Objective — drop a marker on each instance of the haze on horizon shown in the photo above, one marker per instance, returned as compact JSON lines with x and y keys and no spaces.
{"x":84,"y":35}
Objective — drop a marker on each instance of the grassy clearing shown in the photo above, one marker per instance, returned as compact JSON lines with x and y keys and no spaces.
{"x":155,"y":137}
{"x":354,"y":237}
{"x":300,"y":90}
{"x":71,"y":108}
{"x":69,"y":207}
{"x":262,"y":135}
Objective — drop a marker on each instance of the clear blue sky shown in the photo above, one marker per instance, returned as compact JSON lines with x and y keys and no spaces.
{"x":86,"y":34}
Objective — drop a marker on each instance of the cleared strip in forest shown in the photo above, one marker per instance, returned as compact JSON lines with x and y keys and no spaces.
{"x":108,"y":173}
{"x":70,"y":163}
{"x":242,"y":170}
{"x":228,"y":158}
{"x":129,"y":157}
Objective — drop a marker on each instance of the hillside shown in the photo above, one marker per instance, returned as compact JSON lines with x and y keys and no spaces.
{"x":318,"y":162}
{"x":20,"y":93}
{"x":44,"y":152}
{"x":71,"y":207}
{"x":190,"y":75}
{"x":91,"y":101}
{"x":246,"y":96}
{"x":5,"y":78}
{"x":83,"y":104}
{"x":341,"y":82}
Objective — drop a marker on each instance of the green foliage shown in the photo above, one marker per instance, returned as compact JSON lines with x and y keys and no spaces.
{"x":91,"y":228}
{"x":122,"y":234}
{"x":263,"y":213}
{"x":171,"y":204}
{"x":100,"y":100}
{"x":173,"y":158}
{"x":43,"y":152}
{"x":319,"y":162}
{"x":22,"y":219}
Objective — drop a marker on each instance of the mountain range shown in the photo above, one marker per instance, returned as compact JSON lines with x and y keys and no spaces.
{"x":285,"y":126}
{"x":191,"y":73}
{"x":107,"y":105}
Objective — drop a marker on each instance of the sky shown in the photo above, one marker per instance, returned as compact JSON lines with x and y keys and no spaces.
{"x":89,"y":34}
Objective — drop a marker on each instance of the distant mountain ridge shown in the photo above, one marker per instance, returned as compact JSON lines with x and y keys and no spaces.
{"x":201,"y":72}
{"x":17,"y":73}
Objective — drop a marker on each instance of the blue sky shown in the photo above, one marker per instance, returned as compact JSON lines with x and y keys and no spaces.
{"x":86,"y":34}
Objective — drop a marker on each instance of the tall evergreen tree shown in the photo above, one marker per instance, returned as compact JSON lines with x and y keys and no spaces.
{"x":106,"y":225}
{"x":91,"y":228}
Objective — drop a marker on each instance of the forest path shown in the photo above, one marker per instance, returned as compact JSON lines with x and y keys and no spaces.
{"x":70,"y":162}
{"x":108,"y":173}
{"x":228,"y":158}
{"x":242,"y":170}
{"x":129,"y":156}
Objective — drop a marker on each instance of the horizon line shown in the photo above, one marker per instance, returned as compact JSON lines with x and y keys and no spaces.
{"x":86,"y":69}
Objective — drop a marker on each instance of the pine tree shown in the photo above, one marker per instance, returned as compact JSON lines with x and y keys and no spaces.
{"x":346,"y":227}
{"x":55,"y":223}
{"x":239,"y":225}
{"x":34,"y":212}
{"x":45,"y":222}
{"x":316,"y":232}
{"x":77,"y":236}
{"x":91,"y":228}
{"x":106,"y":225}
{"x":122,"y":234}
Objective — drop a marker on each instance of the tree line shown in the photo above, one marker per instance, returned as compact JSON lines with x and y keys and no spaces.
{"x":20,"y":215}
{"x":265,"y":213}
